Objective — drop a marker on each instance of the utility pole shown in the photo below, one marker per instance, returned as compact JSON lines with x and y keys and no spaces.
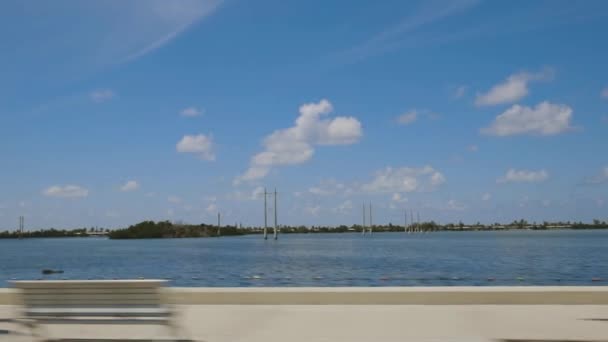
{"x":276,"y":232}
{"x":412,"y":220}
{"x":371,"y":225}
{"x":21,"y":223}
{"x":363,"y":230}
{"x":218,"y":224}
{"x":265,"y":216}
{"x":418,"y":215}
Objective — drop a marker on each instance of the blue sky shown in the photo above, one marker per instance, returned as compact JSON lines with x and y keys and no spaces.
{"x":112,"y":112}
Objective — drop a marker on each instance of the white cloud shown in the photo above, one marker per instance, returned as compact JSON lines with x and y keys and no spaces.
{"x":255,"y":194}
{"x":295,"y":145}
{"x":313,"y":210}
{"x":102,"y":95}
{"x":600,"y":178}
{"x":130,"y":186}
{"x":604,"y":93}
{"x":253,"y":173}
{"x":212,"y":208}
{"x":191,"y":112}
{"x":318,"y":191}
{"x":174,"y":199}
{"x":81,"y":39}
{"x":413,"y":115}
{"x":514,"y":88}
{"x":473,"y":148}
{"x":201,"y":145}
{"x":405,"y":179}
{"x":398,"y":198}
{"x":329,"y":187}
{"x":344,"y":208}
{"x":486,"y":197}
{"x":437,"y":179}
{"x":66,"y":191}
{"x":407,"y":118}
{"x":519,"y":176}
{"x":162,"y":21}
{"x":454,"y":205}
{"x":408,"y":29}
{"x":459,"y":92}
{"x":544,"y":119}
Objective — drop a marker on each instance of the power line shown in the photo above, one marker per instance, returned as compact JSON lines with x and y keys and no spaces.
{"x":363,"y":230}
{"x":21,"y":225}
{"x":276,"y":232}
{"x":218,"y":224}
{"x":275,"y":212}
{"x":265,"y":215}
{"x":371,"y":225}
{"x":412,"y":220}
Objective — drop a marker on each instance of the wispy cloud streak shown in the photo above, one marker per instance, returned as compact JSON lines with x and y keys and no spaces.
{"x":389,"y":39}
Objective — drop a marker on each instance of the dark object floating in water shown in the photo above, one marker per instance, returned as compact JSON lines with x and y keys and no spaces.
{"x":48,"y":271}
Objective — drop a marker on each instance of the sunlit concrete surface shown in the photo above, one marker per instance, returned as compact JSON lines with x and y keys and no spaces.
{"x":219,"y":323}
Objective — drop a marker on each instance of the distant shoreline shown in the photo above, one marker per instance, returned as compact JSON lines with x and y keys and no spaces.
{"x":164,"y":229}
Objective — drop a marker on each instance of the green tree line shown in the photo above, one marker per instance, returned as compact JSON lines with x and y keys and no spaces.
{"x":44,"y":233}
{"x":167,"y":229}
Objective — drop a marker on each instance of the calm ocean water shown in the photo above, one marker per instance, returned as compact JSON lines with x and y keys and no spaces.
{"x":384,"y":259}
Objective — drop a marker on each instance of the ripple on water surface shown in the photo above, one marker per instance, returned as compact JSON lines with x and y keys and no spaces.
{"x":384,"y":259}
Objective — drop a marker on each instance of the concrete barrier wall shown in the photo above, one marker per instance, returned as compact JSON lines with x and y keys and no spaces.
{"x":567,"y":295}
{"x":7,"y":297}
